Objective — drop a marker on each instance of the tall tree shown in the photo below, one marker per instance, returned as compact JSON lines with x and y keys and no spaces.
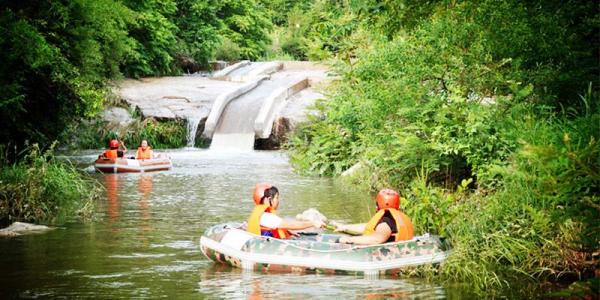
{"x":55,"y":57}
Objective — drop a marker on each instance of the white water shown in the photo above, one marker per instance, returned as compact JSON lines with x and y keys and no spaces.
{"x":233,"y":141}
{"x":192,"y":128}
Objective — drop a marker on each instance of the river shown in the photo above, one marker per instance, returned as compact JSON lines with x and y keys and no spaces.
{"x":144,"y":242}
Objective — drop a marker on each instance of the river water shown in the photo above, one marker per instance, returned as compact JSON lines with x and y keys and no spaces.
{"x":144,"y":242}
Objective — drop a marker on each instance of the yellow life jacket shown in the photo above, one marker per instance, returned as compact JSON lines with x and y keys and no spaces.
{"x":144,"y":154}
{"x":254,"y":223}
{"x":403,"y":224}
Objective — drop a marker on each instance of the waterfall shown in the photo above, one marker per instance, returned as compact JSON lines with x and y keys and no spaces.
{"x":192,"y":128}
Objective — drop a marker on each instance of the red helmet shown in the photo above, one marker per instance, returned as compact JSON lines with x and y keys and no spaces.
{"x":113,"y":144}
{"x":387,"y":198}
{"x":259,"y":191}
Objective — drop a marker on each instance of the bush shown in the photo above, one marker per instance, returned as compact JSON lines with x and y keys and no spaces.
{"x":41,"y":189}
{"x":246,"y":25}
{"x":228,"y":51}
{"x":470,"y":116}
{"x":96,"y":134}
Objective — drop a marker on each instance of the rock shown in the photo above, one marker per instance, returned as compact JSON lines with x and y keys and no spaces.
{"x":279,"y":135}
{"x":117,"y":115}
{"x":19,"y":228}
{"x":353,"y":170}
{"x":296,"y":111}
{"x":172,"y":97}
{"x":311,"y":214}
{"x":217,"y":65}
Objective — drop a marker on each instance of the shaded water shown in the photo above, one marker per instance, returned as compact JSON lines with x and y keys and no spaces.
{"x":144,"y":243}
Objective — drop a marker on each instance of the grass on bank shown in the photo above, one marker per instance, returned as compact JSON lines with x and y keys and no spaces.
{"x":40,"y":189}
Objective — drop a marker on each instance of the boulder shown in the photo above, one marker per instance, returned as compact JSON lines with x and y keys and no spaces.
{"x":117,"y":116}
{"x":19,"y":228}
{"x":311,"y":214}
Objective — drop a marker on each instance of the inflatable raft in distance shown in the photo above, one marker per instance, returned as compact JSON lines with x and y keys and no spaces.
{"x":127,"y":165}
{"x":230,"y":244}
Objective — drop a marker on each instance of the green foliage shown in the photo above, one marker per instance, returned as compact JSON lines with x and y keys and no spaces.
{"x":41,"y":189}
{"x":411,"y":103}
{"x":543,"y":221}
{"x":55,"y":57}
{"x":319,"y":31}
{"x":246,"y":24}
{"x":584,"y":289}
{"x":96,"y":134}
{"x":58,"y":55}
{"x":170,"y":134}
{"x":197,"y":32}
{"x":278,"y":10}
{"x":469,"y":108}
{"x":228,"y":50}
{"x":330,"y":145}
{"x":153,"y":36}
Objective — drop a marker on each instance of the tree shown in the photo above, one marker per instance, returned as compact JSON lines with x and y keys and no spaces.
{"x":55,"y":58}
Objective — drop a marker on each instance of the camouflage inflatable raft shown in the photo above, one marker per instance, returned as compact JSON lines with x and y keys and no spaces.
{"x":230,"y":244}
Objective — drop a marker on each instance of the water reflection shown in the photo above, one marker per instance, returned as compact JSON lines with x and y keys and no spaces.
{"x":111,"y":183}
{"x":231,"y":283}
{"x":145,"y":190}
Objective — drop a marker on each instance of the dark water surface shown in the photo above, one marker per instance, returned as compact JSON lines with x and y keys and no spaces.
{"x":145,"y":241}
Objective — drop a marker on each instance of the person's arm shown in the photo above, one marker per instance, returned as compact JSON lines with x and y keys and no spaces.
{"x":350,"y":228}
{"x":381,"y":235}
{"x":273,"y":221}
{"x":296,"y":225}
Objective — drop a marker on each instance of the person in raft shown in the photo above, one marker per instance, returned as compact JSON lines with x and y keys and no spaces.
{"x":264,"y":220}
{"x":388,"y":225}
{"x":144,"y":151}
{"x":114,"y":149}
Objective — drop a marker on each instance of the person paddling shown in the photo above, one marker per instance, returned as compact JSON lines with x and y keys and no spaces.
{"x":144,"y":151}
{"x":264,"y":220}
{"x":388,"y":225}
{"x":114,"y":149}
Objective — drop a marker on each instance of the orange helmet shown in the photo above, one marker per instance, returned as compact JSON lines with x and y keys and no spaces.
{"x":387,"y":198}
{"x":113,"y":144}
{"x":259,"y":192}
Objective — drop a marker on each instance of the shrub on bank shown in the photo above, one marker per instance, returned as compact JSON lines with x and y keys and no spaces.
{"x":541,"y":224}
{"x":40,"y":189}
{"x":483,"y":134}
{"x":97,"y":133}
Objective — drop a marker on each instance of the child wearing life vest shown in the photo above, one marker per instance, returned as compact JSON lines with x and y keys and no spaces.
{"x":388,"y":225}
{"x":144,"y":151}
{"x":264,"y":220}
{"x":114,"y":150}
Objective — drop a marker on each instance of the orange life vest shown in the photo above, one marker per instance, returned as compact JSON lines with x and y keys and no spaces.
{"x":111,"y":153}
{"x":254,"y":223}
{"x":403,"y":224}
{"x":144,"y":154}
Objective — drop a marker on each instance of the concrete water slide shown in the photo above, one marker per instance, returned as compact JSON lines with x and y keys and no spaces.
{"x":236,"y":120}
{"x":264,"y":98}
